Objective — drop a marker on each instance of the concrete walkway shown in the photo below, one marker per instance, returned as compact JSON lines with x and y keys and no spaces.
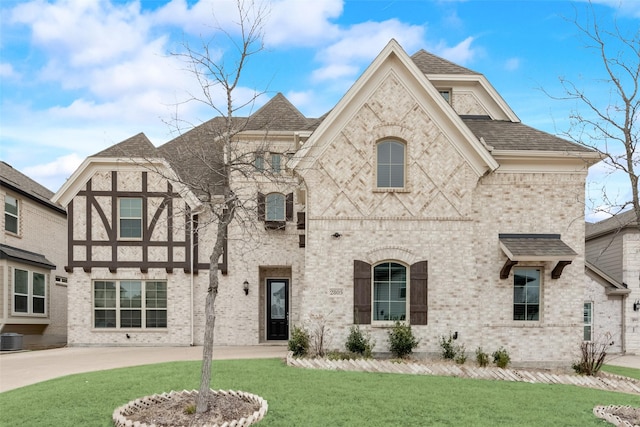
{"x":18,"y":369}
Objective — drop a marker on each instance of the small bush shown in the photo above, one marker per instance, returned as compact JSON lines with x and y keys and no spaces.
{"x":501,"y":358}
{"x":593,"y":354}
{"x":461,"y":355}
{"x":359,"y":343}
{"x":190,"y":409}
{"x":448,"y":348}
{"x":299,"y":341}
{"x":319,"y":334}
{"x":482,"y":358}
{"x":401,"y":340}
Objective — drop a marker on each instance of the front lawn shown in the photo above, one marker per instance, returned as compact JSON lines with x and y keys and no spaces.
{"x":301,"y":397}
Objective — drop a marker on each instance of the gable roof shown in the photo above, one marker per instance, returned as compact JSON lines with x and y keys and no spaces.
{"x":393,"y":59}
{"x":505,"y":135}
{"x":136,"y":146}
{"x":611,"y":225}
{"x":20,"y":183}
{"x":429,"y":63}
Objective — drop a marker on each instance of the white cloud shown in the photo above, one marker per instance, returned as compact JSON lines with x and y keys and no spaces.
{"x":62,"y":166}
{"x":302,"y":23}
{"x":461,"y":54}
{"x":7,"y":71}
{"x":512,"y":64}
{"x":627,"y":8}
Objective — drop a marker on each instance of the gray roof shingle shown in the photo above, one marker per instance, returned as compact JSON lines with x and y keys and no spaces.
{"x":505,"y":135}
{"x":136,"y":146}
{"x":26,"y":257}
{"x":522,"y":247}
{"x":429,"y":63}
{"x":615,"y":223}
{"x":18,"y":181}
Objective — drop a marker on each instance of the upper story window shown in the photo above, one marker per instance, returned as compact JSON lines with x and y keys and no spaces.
{"x":276,"y":161}
{"x":259,"y":162}
{"x":275,"y":207}
{"x":446,"y":94}
{"x":526,"y":294}
{"x":391,"y":164}
{"x":29,"y":292}
{"x":389,"y":292}
{"x":130,"y":214}
{"x":11,"y":214}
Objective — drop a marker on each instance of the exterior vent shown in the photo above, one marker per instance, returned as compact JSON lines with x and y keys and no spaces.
{"x":10,"y":342}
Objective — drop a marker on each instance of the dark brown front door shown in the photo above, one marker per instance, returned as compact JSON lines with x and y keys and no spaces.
{"x":277,"y":309}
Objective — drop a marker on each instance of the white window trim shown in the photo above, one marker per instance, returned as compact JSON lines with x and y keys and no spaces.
{"x":390,"y":323}
{"x":118,"y":309}
{"x":29,"y":293}
{"x":405,"y":185}
{"x":16,"y":216}
{"x":120,"y":217}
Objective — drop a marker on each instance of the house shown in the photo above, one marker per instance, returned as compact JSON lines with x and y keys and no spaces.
{"x":420,"y":197}
{"x":33,"y":253}
{"x":612,"y":293}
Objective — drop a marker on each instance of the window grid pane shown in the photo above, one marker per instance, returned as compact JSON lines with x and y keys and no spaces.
{"x":526,"y":294}
{"x":11,"y":214}
{"x":130,"y":304}
{"x":391,"y":162}
{"x":130,"y":217}
{"x":274,"y":207}
{"x":389,"y":292}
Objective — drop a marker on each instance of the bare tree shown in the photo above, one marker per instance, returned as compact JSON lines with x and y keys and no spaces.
{"x":215,"y":155}
{"x":611,"y":126}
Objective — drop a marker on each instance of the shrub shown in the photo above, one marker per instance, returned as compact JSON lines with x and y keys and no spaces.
{"x":593,"y":354}
{"x":359,"y":343}
{"x":461,"y":355}
{"x":448,"y":349}
{"x":299,"y":341}
{"x":401,"y":340}
{"x":501,"y":358}
{"x":482,"y":358}
{"x":319,"y":334}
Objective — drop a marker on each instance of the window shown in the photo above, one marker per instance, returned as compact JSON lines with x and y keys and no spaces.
{"x":29,"y":292}
{"x":446,"y":94}
{"x":130,"y":218}
{"x":259,"y":162}
{"x":130,"y":304}
{"x":389,"y":292}
{"x":276,"y":160}
{"x":381,"y":291}
{"x":390,"y":164}
{"x":588,"y":321}
{"x":11,"y":214}
{"x":526,"y":294}
{"x":274,"y":204}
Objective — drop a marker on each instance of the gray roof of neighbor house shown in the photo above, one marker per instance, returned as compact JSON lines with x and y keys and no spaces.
{"x":20,"y":183}
{"x":610,"y":225}
{"x":25,"y":257}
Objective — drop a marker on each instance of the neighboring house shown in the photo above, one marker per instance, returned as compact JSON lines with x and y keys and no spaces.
{"x":33,"y":253}
{"x":612,"y":293}
{"x":420,"y":197}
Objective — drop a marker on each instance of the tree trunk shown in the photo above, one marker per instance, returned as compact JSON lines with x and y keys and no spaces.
{"x":207,"y":350}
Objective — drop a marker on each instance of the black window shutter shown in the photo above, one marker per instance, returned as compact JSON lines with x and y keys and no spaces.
{"x":418,"y":294}
{"x":361,"y":293}
{"x":289,"y":207}
{"x":260,"y":207}
{"x":301,"y":221}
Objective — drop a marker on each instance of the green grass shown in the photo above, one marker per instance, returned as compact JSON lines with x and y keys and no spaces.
{"x":619,"y":370}
{"x":301,"y":397}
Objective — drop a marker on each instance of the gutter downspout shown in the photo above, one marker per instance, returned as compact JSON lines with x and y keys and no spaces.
{"x":191,"y":325}
{"x":623,"y":339}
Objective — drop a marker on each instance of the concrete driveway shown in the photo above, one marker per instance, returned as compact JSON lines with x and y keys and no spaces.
{"x":18,"y":369}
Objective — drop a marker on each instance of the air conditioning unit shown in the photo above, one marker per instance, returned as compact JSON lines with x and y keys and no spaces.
{"x":10,"y":341}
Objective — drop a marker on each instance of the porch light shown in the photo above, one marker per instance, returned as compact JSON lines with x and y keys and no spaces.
{"x":636,"y":305}
{"x":245,"y":286}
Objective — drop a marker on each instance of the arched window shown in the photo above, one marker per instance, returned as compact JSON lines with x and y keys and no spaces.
{"x":389,"y":292}
{"x":275,"y":209}
{"x":391,"y":164}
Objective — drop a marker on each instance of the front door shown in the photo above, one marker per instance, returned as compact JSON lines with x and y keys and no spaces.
{"x":277,"y":309}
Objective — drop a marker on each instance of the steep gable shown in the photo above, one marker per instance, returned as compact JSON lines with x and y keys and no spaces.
{"x":429,"y":63}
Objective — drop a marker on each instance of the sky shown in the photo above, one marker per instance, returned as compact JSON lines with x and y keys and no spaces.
{"x":77,"y":76}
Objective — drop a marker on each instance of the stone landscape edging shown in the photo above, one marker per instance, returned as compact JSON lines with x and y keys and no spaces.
{"x":602,"y":382}
{"x":120,"y":414}
{"x":605,"y":413}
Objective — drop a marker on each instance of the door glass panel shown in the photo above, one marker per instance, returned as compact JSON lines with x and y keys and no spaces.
{"x":277,"y":300}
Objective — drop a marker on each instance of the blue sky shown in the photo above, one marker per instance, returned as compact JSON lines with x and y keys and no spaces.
{"x":77,"y":76}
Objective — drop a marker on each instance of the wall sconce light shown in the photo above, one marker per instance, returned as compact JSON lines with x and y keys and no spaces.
{"x":636,"y":305}
{"x":336,"y":235}
{"x":245,"y":286}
